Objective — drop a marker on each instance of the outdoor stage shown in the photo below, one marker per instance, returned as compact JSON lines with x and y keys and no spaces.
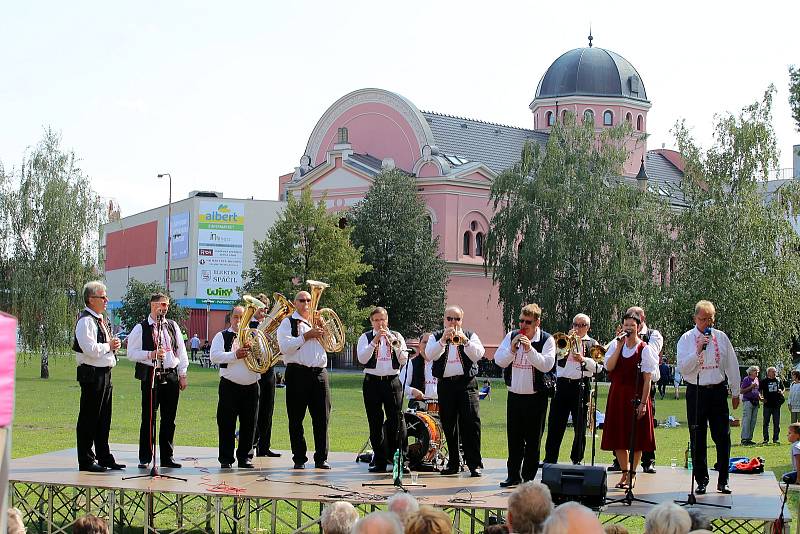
{"x":51,"y":493}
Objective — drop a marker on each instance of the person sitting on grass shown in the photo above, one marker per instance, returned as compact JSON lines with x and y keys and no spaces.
{"x":793,"y":435}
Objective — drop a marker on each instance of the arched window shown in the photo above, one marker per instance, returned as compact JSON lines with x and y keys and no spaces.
{"x":639,"y":123}
{"x":473,"y":225}
{"x":564,"y":116}
{"x":479,"y":244}
{"x":429,"y":223}
{"x":608,"y":118}
{"x":550,"y":118}
{"x":588,"y":117}
{"x":629,"y":118}
{"x":467,"y":243}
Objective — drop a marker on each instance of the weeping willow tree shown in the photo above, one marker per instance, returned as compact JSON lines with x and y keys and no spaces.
{"x":52,"y":218}
{"x":571,"y":235}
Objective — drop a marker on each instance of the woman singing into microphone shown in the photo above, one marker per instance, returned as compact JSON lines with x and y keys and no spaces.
{"x":626,"y":356}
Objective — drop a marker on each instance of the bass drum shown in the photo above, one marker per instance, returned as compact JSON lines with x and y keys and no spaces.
{"x":424,"y":441}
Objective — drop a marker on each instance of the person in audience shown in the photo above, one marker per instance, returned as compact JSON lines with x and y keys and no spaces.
{"x":338,"y":518}
{"x":793,"y":436}
{"x":750,"y":404}
{"x":572,"y":518}
{"x":497,"y":529}
{"x":794,"y":396}
{"x":667,"y":518}
{"x":378,"y":523}
{"x":528,"y":507}
{"x":402,"y":505}
{"x":614,"y":528}
{"x":771,"y":389}
{"x":700,"y":521}
{"x":429,"y":521}
{"x":15,"y":523}
{"x":90,"y":524}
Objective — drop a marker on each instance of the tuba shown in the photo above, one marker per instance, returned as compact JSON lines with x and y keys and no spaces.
{"x":260,"y":351}
{"x":333,"y":330}
{"x":282,"y":309}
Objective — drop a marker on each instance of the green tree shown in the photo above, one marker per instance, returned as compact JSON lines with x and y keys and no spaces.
{"x":408,"y":277}
{"x":794,"y":95}
{"x":136,"y":304}
{"x":51,"y":218}
{"x":305,"y":243}
{"x":571,"y":235}
{"x":736,"y":245}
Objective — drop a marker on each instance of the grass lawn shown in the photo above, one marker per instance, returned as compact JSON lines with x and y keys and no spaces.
{"x":46,"y":412}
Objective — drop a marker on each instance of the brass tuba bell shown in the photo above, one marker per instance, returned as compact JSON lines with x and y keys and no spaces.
{"x":260,"y":351}
{"x":282,"y":309}
{"x":333,"y":336}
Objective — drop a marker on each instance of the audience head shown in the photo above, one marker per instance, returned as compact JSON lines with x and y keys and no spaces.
{"x":378,"y":523}
{"x":528,"y":507}
{"x":402,"y":504}
{"x":615,"y":528}
{"x":572,"y":518}
{"x":667,"y":518}
{"x":338,"y":518}
{"x":428,"y":521}
{"x":90,"y":524}
{"x":496,"y":529}
{"x":15,"y":523}
{"x":700,"y":521}
{"x":793,"y":433}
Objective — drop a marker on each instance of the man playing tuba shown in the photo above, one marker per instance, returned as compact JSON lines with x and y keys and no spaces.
{"x":238,"y":394}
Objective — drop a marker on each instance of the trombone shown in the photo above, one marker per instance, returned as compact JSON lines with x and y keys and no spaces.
{"x":565,"y":343}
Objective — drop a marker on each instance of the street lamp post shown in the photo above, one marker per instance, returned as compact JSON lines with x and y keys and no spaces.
{"x":169,"y":229}
{"x":208,"y":312}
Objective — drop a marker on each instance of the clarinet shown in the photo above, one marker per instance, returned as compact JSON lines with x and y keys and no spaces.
{"x":159,"y":370}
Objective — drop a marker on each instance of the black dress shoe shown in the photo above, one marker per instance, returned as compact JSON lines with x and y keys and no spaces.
{"x":723,"y":487}
{"x":271,"y":454}
{"x":113,"y":466}
{"x":143,"y":466}
{"x":247,"y":464}
{"x":225,"y":466}
{"x":170,"y":463}
{"x":322,"y":465}
{"x":701,"y":488}
{"x":92,"y":468}
{"x":449,"y":471}
{"x":475,"y":472}
{"x":299,"y":466}
{"x":651,"y":468}
{"x":510,"y":482}
{"x":377,"y":469}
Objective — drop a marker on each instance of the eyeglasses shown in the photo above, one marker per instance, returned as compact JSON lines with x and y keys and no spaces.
{"x":104,"y":297}
{"x":303,"y":300}
{"x":453,"y":318}
{"x":526,"y":321}
{"x":580,"y":325}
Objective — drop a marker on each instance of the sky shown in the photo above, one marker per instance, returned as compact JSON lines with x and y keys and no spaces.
{"x":224,"y":95}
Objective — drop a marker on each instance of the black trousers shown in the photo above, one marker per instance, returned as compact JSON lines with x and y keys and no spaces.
{"x":711,"y":404}
{"x":307,"y":388}
{"x":774,"y":413}
{"x":236,"y":401}
{"x":459,"y":410}
{"x":570,"y":399}
{"x":266,"y":405}
{"x":165,"y":397}
{"x":525,"y":416}
{"x":94,"y":415}
{"x":383,"y":399}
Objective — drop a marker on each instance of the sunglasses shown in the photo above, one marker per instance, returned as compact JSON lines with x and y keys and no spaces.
{"x":99,"y":297}
{"x":526,"y":321}
{"x":303,"y":300}
{"x":580,"y":325}
{"x":453,"y":318}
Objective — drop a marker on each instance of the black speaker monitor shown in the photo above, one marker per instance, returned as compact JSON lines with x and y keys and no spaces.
{"x":582,"y":483}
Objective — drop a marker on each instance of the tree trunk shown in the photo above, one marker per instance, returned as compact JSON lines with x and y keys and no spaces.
{"x":45,"y":371}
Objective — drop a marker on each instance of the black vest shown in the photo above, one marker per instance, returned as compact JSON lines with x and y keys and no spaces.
{"x":101,"y":332}
{"x":227,"y":338}
{"x":470,"y":367}
{"x":542,"y":382}
{"x":148,"y":343}
{"x":373,"y":360}
{"x":587,"y":344}
{"x":418,"y":372}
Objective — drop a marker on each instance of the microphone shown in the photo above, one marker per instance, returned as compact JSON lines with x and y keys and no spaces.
{"x":623,"y":336}
{"x":706,"y":332}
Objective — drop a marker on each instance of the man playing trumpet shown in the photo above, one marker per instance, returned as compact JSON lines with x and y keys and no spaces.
{"x":455,"y":353}
{"x":572,"y":393}
{"x":382,"y":352}
{"x":526,"y":355}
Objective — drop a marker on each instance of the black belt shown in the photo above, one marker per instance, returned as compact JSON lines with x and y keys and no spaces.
{"x":380,"y":377}
{"x":299,"y":366}
{"x":96,"y":369}
{"x":707,"y":386}
{"x":583,"y":378}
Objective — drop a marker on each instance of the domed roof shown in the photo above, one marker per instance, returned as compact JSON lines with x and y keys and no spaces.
{"x":591,"y":71}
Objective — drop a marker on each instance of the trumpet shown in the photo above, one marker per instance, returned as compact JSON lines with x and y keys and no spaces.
{"x":565,"y":343}
{"x":458,"y":338}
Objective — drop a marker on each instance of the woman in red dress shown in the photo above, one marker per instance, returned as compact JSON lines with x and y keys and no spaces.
{"x":622,"y":362}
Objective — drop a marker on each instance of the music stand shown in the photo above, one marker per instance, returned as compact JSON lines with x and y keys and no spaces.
{"x":153,"y":414}
{"x":399,"y":454}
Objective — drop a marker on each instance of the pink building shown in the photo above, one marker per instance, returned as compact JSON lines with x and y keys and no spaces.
{"x":455,"y":159}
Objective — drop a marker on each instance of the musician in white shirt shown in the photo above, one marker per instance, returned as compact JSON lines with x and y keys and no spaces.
{"x":706,"y":360}
{"x":382,"y":352}
{"x":306,"y":381}
{"x":238,"y":395}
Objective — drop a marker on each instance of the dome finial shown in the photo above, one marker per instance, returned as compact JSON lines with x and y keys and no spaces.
{"x":590,"y":35}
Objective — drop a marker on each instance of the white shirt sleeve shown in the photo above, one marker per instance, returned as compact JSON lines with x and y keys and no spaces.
{"x":687,"y":355}
{"x":649,"y":362}
{"x":474,"y":349}
{"x":218,"y":354}
{"x":135,"y":352}
{"x":86,"y":334}
{"x":503,"y":355}
{"x":401,"y":351}
{"x":183,"y":358}
{"x":544,"y":360}
{"x":731,"y":362}
{"x":364,"y":349}
{"x":656,"y":342}
{"x":434,"y":349}
{"x":286,"y":341}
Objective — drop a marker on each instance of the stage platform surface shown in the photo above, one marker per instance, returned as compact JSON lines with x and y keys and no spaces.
{"x":755,"y":497}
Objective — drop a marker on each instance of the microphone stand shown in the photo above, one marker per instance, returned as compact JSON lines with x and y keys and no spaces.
{"x":594,"y":415}
{"x":399,"y":455}
{"x":153,"y":412}
{"x":691,"y":499}
{"x":629,"y":498}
